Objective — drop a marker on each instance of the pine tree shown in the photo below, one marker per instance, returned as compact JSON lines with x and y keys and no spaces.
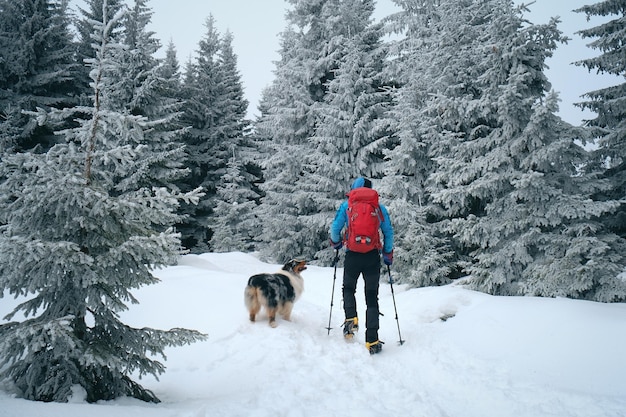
{"x":350,"y":139}
{"x":80,"y":233}
{"x":234,"y":226}
{"x":609,"y":104}
{"x":215,"y":111}
{"x":168,"y":93}
{"x":320,"y":103}
{"x":566,"y":250}
{"x":169,"y":70}
{"x":423,"y":254}
{"x":232,"y":103}
{"x":143,"y":90}
{"x":291,"y":119}
{"x":140,"y":65}
{"x":89,"y":16}
{"x":37,"y":69}
{"x":282,"y":130}
{"x":506,"y":165}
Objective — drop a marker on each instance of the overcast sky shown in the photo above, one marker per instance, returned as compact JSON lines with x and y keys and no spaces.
{"x":256,"y":24}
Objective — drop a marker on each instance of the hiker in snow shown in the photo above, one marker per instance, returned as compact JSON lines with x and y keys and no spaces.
{"x":362,"y":216}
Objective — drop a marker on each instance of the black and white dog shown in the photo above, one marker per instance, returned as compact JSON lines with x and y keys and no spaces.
{"x":276,"y":292}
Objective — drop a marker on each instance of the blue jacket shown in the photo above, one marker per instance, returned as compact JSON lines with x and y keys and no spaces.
{"x":341,"y":221}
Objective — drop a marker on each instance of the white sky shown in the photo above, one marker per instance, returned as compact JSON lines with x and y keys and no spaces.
{"x":256,"y":24}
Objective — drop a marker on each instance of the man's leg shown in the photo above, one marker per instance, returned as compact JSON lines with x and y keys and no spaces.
{"x":351,"y":272}
{"x":371,"y":276}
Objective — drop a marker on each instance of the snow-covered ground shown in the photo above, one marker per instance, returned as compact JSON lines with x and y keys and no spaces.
{"x":493,"y":356}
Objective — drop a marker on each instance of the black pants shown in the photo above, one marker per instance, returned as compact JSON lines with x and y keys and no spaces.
{"x":367,"y":264}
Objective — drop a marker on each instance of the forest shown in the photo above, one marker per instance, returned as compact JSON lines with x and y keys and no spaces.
{"x":115,"y":162}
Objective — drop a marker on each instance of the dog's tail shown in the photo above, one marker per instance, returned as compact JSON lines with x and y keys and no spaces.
{"x":251,"y":299}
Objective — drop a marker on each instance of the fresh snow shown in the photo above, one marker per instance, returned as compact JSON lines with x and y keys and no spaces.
{"x":466,"y":354}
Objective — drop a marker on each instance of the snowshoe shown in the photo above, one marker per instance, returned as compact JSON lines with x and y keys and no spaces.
{"x":350,"y":326}
{"x":374,"y":347}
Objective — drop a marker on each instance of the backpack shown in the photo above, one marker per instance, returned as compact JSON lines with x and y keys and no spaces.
{"x":364,"y":219}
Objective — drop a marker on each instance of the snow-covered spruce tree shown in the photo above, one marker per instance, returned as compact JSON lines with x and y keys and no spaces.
{"x":416,"y":64}
{"x":307,"y":109}
{"x":169,"y":71}
{"x":349,"y":139}
{"x":37,"y":69}
{"x":609,"y":104}
{"x":215,"y":111}
{"x":200,"y":114}
{"x":234,"y":225}
{"x":282,"y":130}
{"x":506,"y":174}
{"x":138,"y":86}
{"x":78,"y":236}
{"x":84,"y":23}
{"x":232,"y":103}
{"x":144,"y":88}
{"x":567,"y":250}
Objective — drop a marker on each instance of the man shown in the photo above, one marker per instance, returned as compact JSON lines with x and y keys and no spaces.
{"x":363,"y":250}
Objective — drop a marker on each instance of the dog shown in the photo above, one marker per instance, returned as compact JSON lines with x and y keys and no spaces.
{"x":276,"y":292}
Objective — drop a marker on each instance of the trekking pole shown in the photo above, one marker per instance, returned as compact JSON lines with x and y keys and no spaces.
{"x":400,"y":341}
{"x":332,"y":295}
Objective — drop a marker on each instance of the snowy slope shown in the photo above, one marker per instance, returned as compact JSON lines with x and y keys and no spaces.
{"x":496,"y":356}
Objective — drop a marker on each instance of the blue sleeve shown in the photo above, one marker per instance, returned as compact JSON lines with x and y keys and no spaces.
{"x":387,"y":229}
{"x":341,"y":219}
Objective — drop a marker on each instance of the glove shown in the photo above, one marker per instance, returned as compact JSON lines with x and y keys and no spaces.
{"x":388,"y":258}
{"x":336,"y":245}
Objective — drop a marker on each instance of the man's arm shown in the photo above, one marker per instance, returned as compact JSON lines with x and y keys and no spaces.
{"x":387,"y":229}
